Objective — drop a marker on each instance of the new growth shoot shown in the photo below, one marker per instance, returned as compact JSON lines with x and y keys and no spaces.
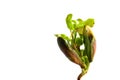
{"x":80,"y":35}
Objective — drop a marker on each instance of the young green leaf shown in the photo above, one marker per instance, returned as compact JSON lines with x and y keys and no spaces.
{"x":90,"y":22}
{"x":63,"y":36}
{"x":80,"y":23}
{"x":69,"y":22}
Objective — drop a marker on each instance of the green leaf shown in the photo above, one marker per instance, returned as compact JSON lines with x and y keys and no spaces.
{"x":69,"y":22}
{"x":79,"y":26}
{"x":90,"y":22}
{"x":63,"y":36}
{"x":79,"y":20}
{"x":74,"y":24}
{"x":80,"y":23}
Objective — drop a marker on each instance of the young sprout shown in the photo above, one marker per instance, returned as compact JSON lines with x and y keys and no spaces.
{"x":80,"y":34}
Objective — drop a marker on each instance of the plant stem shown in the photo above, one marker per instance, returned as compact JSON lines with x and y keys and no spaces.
{"x":82,"y":74}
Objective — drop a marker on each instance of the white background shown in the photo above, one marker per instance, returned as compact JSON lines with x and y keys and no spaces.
{"x":28,"y":47}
